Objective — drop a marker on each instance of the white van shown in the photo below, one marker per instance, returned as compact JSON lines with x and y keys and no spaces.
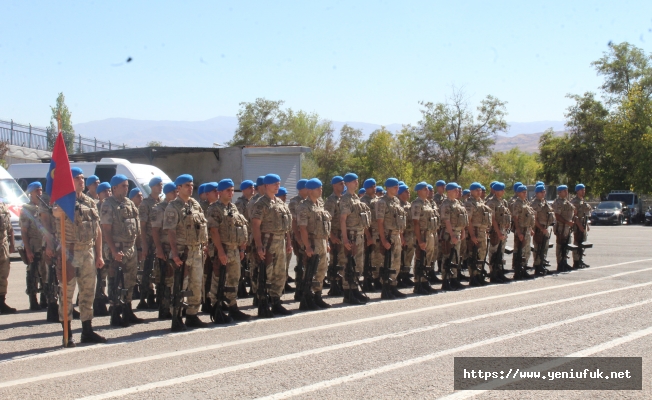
{"x":138,"y":175}
{"x":13,"y":196}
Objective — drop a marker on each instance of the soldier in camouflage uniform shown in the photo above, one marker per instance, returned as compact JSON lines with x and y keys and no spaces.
{"x":147,"y":255}
{"x":480,"y":220}
{"x":391,"y":222}
{"x":454,"y":219}
{"x":462,"y":197}
{"x":425,"y":222}
{"x":247,"y":192}
{"x":162,"y":248}
{"x":203,"y":202}
{"x":84,"y":251}
{"x":337,"y":256}
{"x":271,"y":222}
{"x":371,"y":235}
{"x":228,"y":229}
{"x":101,"y":299}
{"x":440,"y":196}
{"x":431,"y":194}
{"x":253,"y":258}
{"x":7,"y":244}
{"x":33,"y":242}
{"x":565,"y":216}
{"x":120,"y":228}
{"x":500,"y":226}
{"x":295,"y":235}
{"x":407,"y":255}
{"x":545,"y":217}
{"x":186,"y":228}
{"x":315,"y":228}
{"x":524,"y":217}
{"x":580,"y":233}
{"x":355,"y":220}
{"x":92,"y":182}
{"x":211,"y":196}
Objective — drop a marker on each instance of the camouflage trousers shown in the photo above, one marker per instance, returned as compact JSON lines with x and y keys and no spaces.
{"x":447,"y":250}
{"x":540,"y":244}
{"x":32,"y":282}
{"x":463,"y":249}
{"x":83,"y":265}
{"x":320,"y":247}
{"x":578,"y":238}
{"x":377,"y":258}
{"x":4,"y":266}
{"x":430,"y":252}
{"x":481,"y":236}
{"x":356,"y":238}
{"x":396,"y":249}
{"x":407,"y":257}
{"x":129,"y":267}
{"x":276,"y":272}
{"x":498,"y":247}
{"x":194,"y":279}
{"x":562,"y":232}
{"x":524,"y":245}
{"x":232,"y":276}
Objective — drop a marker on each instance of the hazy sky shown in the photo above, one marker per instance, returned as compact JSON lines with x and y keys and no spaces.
{"x":369,"y":61}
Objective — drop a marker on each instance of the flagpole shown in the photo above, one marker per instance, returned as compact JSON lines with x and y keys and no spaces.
{"x":64,"y":266}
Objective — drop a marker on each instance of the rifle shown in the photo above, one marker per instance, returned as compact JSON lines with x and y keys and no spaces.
{"x":146,"y":293}
{"x":447,"y":284}
{"x":99,"y":302}
{"x":307,"y":301}
{"x":386,"y":272}
{"x":565,"y":247}
{"x":264,"y":299}
{"x":178,"y":294}
{"x":52,"y":293}
{"x":217,"y":315}
{"x":334,"y":272}
{"x":162,"y":291}
{"x":421,"y":271}
{"x":298,"y":273}
{"x":245,"y":279}
{"x":582,"y":244}
{"x":118,"y":295}
{"x":367,"y":271}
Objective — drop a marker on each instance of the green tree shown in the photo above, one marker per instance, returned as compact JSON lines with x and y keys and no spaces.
{"x":449,"y":137}
{"x":623,"y":66}
{"x":60,"y":111}
{"x":259,"y":123}
{"x":154,"y":143}
{"x":335,"y":156}
{"x":384,"y":155}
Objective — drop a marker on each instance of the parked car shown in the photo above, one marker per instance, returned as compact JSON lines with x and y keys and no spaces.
{"x":13,"y":196}
{"x":632,"y":200}
{"x":610,"y":212}
{"x":648,"y":216}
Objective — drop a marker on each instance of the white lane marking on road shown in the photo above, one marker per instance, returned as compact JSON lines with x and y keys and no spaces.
{"x":338,"y":346}
{"x":406,"y":363}
{"x":630,"y":337}
{"x":418,"y":310}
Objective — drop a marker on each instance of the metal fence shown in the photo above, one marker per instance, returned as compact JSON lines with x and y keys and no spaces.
{"x":37,"y":138}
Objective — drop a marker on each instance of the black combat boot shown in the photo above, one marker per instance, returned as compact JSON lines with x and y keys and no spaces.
{"x":377,"y":285}
{"x":193,"y":321}
{"x":142,"y":305}
{"x":320,"y":302}
{"x":432,"y":277}
{"x":88,"y":335}
{"x":43,"y":301}
{"x":164,"y":313}
{"x":307,"y":302}
{"x":33,"y":303}
{"x":178,"y":325}
{"x":4,"y":308}
{"x":350,"y":298}
{"x":117,"y":319}
{"x":298,"y":294}
{"x":71,"y":342}
{"x":360,"y":296}
{"x":386,"y":293}
{"x":397,"y":293}
{"x":206,"y":306}
{"x":289,"y":279}
{"x":238,"y":315}
{"x":400,"y":280}
{"x":277,"y":307}
{"x":130,"y":316}
{"x":52,"y":314}
{"x":576,"y":265}
{"x":420,"y":289}
{"x":75,"y":314}
{"x":288,"y":288}
{"x":99,"y":308}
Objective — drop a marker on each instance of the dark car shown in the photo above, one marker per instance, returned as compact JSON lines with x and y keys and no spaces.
{"x":648,"y":216}
{"x":610,"y":212}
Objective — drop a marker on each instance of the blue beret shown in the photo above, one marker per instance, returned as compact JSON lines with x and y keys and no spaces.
{"x":181,"y":179}
{"x":391,"y":182}
{"x":379,"y":189}
{"x":118,"y":179}
{"x":169,"y":187}
{"x":155,"y":181}
{"x":134,"y":192}
{"x":336,"y":179}
{"x":420,"y":185}
{"x":210,"y":186}
{"x":201,"y":189}
{"x":369,"y":183}
{"x":33,"y":186}
{"x":521,"y":188}
{"x":401,"y":183}
{"x":517,"y":184}
{"x":271,"y":179}
{"x":430,"y":187}
{"x":281,"y":191}
{"x":451,"y":186}
{"x":314,"y":183}
{"x":579,"y":186}
{"x":402,"y":188}
{"x":539,"y":189}
{"x":301,"y":184}
{"x":361,"y":191}
{"x":484,"y":189}
{"x":498,"y":186}
{"x":440,"y":183}
{"x":474,"y":186}
{"x":224,"y":184}
{"x":102,"y":187}
{"x":539,"y":183}
{"x":246,"y":184}
{"x":491,"y":185}
{"x":562,"y":187}
{"x":260,"y":180}
{"x":91,"y":180}
{"x":76,"y":171}
{"x":465,"y":192}
{"x":350,"y":177}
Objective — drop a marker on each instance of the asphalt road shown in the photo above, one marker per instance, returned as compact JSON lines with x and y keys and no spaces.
{"x":386,"y":349}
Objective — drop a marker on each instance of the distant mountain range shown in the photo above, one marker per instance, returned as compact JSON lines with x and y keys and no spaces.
{"x":220,"y":130}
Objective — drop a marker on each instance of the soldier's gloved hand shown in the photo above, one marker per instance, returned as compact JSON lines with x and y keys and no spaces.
{"x":99,"y":262}
{"x":242,"y":254}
